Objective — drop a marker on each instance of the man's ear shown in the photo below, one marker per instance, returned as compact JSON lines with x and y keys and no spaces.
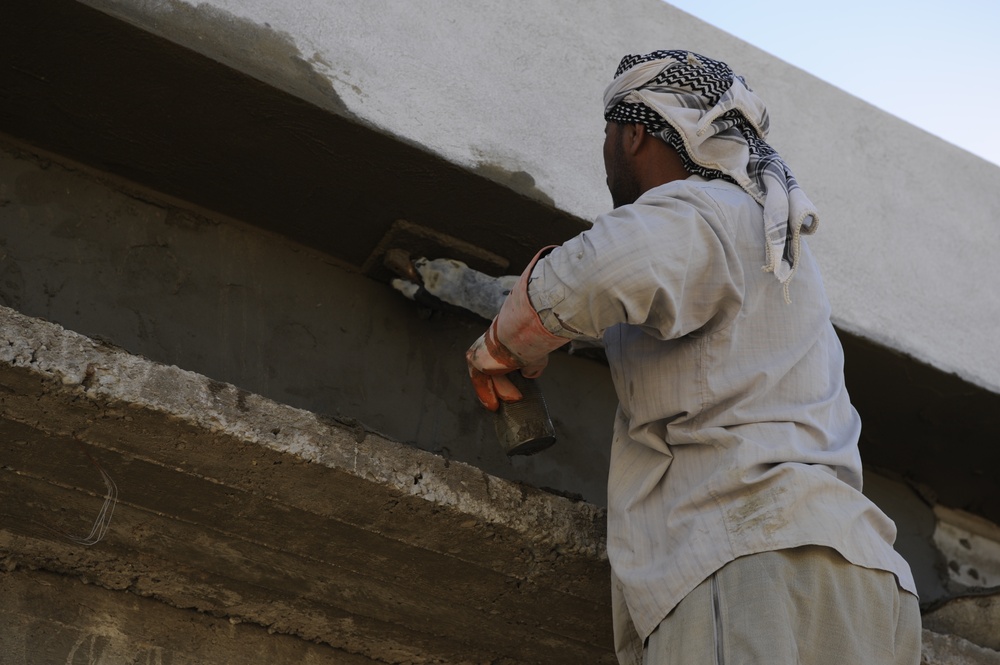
{"x":635,"y":135}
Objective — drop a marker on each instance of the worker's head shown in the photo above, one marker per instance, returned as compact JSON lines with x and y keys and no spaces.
{"x":685,"y":101}
{"x":711,"y":124}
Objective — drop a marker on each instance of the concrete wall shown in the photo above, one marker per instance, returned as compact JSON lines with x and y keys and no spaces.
{"x":513,"y":90}
{"x":220,"y":502}
{"x":504,"y":101}
{"x":247,"y":307}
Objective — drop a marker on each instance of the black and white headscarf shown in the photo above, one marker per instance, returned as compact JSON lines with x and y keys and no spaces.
{"x":718,"y":126}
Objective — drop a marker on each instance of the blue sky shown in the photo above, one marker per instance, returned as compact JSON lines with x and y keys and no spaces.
{"x":933,"y":64}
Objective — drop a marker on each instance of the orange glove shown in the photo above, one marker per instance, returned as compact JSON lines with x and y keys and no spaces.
{"x":515,"y":340}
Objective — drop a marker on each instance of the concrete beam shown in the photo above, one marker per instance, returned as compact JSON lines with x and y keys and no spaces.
{"x":51,"y":618}
{"x":245,"y":509}
{"x":268,"y":151}
{"x":941,"y":649}
{"x":512,"y":91}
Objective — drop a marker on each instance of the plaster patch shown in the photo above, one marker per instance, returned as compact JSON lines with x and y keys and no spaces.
{"x":521,"y":182}
{"x":263,"y":52}
{"x":971,"y":546}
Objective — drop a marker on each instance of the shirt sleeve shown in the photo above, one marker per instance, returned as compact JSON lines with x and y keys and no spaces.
{"x":665,"y":263}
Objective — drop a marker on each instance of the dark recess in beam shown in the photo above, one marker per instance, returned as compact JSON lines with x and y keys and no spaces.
{"x":83,"y":84}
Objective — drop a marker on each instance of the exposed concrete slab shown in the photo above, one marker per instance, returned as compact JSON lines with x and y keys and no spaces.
{"x":239,"y":507}
{"x":941,"y":649}
{"x":49,"y":619}
{"x":929,"y":427}
{"x":971,"y":546}
{"x":975,"y":618}
{"x":103,"y":626}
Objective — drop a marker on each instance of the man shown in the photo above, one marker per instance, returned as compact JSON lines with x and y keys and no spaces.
{"x":737,"y":531}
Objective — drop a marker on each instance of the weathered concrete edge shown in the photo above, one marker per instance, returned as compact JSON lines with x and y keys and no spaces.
{"x":941,"y":649}
{"x":234,"y":42}
{"x":92,"y":370}
{"x":97,"y":371}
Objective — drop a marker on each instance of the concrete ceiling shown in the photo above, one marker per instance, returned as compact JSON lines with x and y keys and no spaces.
{"x":79,"y":83}
{"x":90,"y":87}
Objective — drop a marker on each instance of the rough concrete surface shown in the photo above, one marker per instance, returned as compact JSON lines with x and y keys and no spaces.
{"x":254,"y":530}
{"x":245,"y":509}
{"x":972,"y":547}
{"x":974,"y":617}
{"x":249,"y":532}
{"x":941,"y":649}
{"x":52,"y":619}
{"x":189,"y":287}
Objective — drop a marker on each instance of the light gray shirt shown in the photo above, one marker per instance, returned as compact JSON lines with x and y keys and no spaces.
{"x":734,"y":432}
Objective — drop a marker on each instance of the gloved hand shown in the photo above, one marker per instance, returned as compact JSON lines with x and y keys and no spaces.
{"x":516,"y":339}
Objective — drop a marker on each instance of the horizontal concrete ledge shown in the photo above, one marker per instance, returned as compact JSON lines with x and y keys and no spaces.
{"x":941,"y":649}
{"x":240,"y":507}
{"x":84,"y":620}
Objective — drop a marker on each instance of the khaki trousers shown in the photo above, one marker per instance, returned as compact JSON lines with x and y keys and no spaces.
{"x":803,"y":606}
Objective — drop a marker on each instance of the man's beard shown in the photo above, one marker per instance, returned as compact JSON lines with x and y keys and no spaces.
{"x":625,"y":186}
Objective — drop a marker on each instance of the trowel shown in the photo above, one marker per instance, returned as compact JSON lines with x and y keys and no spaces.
{"x":463,"y":280}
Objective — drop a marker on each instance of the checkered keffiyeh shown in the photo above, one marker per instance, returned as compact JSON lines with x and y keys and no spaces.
{"x":718,"y":126}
